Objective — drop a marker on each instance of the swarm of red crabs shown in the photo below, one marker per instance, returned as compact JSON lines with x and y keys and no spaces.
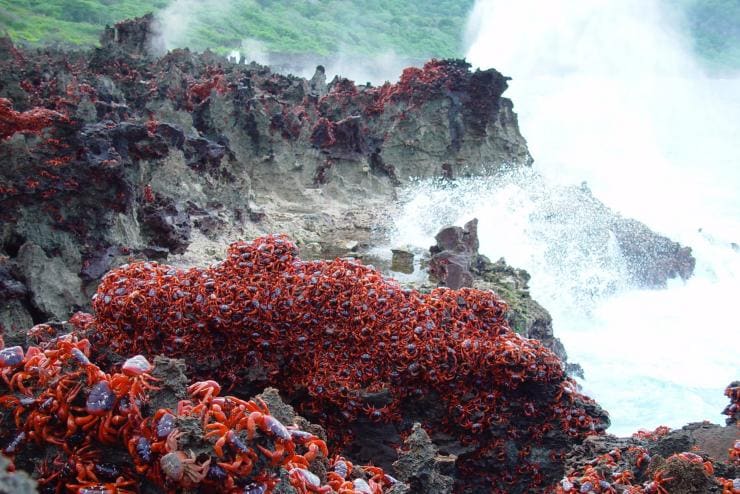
{"x":33,"y":120}
{"x":631,"y":470}
{"x":58,"y":400}
{"x":338,"y":332}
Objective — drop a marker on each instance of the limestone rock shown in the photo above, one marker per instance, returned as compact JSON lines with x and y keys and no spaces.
{"x":56,"y":290}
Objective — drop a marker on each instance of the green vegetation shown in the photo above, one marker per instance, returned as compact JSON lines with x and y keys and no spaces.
{"x":76,"y":22}
{"x":410,"y":28}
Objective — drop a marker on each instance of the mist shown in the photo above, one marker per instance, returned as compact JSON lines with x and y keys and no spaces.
{"x":177,"y":29}
{"x":609,"y":93}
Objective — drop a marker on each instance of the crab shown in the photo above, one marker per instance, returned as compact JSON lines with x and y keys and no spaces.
{"x":182,"y":468}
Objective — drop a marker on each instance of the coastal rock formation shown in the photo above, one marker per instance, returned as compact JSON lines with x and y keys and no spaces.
{"x":453,"y":255}
{"x":118,"y":153}
{"x":360,"y":355}
{"x":455,"y":262}
{"x":689,"y":460}
{"x":140,"y":427}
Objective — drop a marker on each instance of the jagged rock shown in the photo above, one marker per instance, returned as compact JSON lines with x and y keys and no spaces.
{"x":651,"y":259}
{"x":698,"y":442}
{"x":712,"y":439}
{"x":173,"y":382}
{"x":453,"y":255}
{"x":10,"y":287}
{"x":421,"y":466}
{"x":134,"y":38}
{"x":167,"y":224}
{"x":732,"y":410}
{"x":200,"y":130}
{"x":317,"y":84}
{"x":14,"y":319}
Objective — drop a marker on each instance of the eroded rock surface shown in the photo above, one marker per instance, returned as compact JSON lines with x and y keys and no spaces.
{"x":160,"y":157}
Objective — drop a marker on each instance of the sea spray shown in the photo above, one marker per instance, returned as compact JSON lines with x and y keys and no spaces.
{"x":611,"y":100}
{"x":649,"y":355}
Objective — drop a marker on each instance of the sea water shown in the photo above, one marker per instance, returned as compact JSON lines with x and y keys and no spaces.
{"x":610,"y":99}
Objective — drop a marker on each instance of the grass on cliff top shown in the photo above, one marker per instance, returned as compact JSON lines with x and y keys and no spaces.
{"x":409,"y":28}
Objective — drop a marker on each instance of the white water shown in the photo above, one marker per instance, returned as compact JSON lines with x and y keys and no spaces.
{"x":607,"y":93}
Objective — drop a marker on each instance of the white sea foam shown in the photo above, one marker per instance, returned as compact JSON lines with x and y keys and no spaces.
{"x":607,"y":92}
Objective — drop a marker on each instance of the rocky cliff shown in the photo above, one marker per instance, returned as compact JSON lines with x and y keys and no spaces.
{"x":175,"y":156}
{"x":178,"y":155}
{"x":116,"y":154}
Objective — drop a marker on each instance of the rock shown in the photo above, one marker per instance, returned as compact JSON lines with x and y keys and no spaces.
{"x":135,"y":38}
{"x":166,"y":224}
{"x":14,"y":318}
{"x":10,"y":287}
{"x":402,"y":261}
{"x":421,"y":466}
{"x":712,"y":439}
{"x":56,"y":290}
{"x":173,"y":382}
{"x":651,"y":259}
{"x":680,"y":456}
{"x":277,"y":153}
{"x":15,"y":482}
{"x":317,"y":84}
{"x":453,"y":255}
{"x":733,"y":409}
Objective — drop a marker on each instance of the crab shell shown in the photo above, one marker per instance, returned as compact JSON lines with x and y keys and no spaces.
{"x":173,"y":466}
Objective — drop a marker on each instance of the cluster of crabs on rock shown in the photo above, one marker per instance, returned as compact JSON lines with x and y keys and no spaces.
{"x":629,"y":468}
{"x":342,"y":342}
{"x":354,"y":346}
{"x":103,"y":437}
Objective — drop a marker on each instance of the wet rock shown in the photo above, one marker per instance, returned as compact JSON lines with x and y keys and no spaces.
{"x":421,"y":466}
{"x":402,"y":261}
{"x":652,"y":259}
{"x":453,"y":255}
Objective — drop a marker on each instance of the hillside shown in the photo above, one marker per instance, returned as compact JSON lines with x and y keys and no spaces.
{"x":408,"y":28}
{"x":321,"y":27}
